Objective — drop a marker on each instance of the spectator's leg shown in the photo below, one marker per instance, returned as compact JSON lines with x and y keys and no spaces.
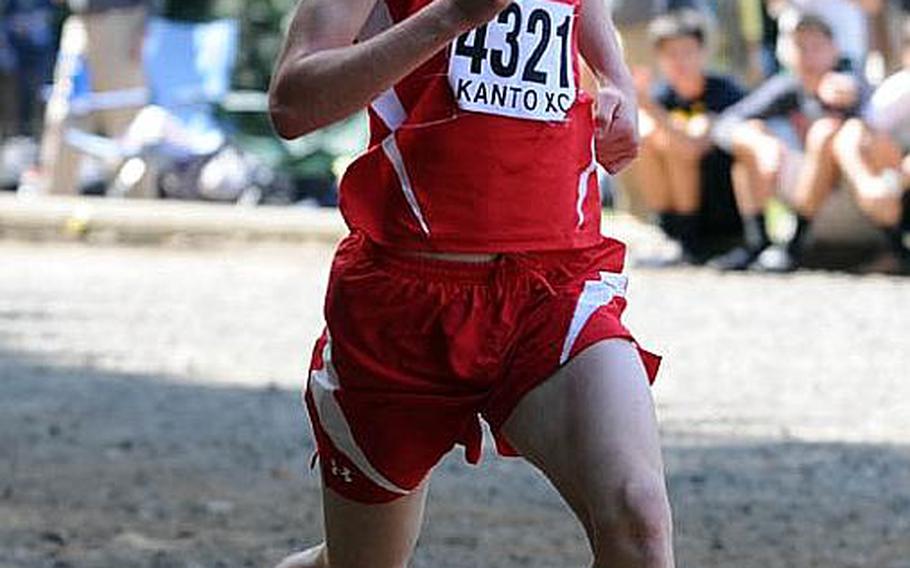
{"x":758,"y":161}
{"x":684,"y":167}
{"x":652,"y":174}
{"x":872,"y":164}
{"x":652,"y":177}
{"x":817,"y":178}
{"x":864,"y":156}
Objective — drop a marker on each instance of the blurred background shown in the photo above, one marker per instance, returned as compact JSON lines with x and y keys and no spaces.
{"x":163,"y":258}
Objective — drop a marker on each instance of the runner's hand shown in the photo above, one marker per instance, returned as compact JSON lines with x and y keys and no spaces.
{"x":616,"y":129}
{"x":471,"y":13}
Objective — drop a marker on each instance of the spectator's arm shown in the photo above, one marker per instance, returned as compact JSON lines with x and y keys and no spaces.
{"x":776,"y":97}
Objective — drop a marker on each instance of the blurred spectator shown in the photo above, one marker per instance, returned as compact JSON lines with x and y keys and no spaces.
{"x":874,"y":156}
{"x":632,"y":18}
{"x":27,"y":27}
{"x":681,"y":174}
{"x":106,"y":37}
{"x":848,"y":19}
{"x":781,"y":137}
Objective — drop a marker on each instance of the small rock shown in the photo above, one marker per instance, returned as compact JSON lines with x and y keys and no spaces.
{"x":281,"y":473}
{"x":54,"y":537}
{"x":185,"y":534}
{"x":219,"y":507}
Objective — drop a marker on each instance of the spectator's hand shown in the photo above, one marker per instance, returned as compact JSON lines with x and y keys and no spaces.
{"x":838,"y":90}
{"x":616,"y":128}
{"x":698,"y":127}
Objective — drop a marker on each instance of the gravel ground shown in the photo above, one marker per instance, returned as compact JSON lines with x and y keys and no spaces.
{"x":149,"y":417}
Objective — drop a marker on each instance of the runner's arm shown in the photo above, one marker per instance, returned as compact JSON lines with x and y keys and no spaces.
{"x":323,"y":76}
{"x":616,"y":111}
{"x":599,"y":46}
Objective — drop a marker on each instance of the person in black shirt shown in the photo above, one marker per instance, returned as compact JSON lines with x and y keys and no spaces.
{"x":781,"y":136}
{"x":683,"y":177}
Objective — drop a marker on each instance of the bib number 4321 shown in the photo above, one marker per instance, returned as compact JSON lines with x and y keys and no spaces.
{"x":518,"y":65}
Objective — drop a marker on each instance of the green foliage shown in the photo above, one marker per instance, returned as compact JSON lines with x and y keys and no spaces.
{"x":261,"y":39}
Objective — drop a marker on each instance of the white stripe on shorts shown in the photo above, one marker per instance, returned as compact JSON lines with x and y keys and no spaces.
{"x":596,"y":294}
{"x":323,"y":384}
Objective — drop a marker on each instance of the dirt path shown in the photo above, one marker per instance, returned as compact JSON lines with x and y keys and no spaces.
{"x":149,"y":417}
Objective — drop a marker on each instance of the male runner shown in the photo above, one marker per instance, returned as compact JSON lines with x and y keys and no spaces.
{"x":475,"y":281}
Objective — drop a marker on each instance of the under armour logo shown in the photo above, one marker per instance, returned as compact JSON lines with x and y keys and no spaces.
{"x":342,"y":472}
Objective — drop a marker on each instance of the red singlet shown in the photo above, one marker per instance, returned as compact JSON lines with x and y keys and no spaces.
{"x":485,"y":148}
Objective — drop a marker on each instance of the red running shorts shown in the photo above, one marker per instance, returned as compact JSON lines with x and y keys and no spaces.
{"x":416,"y":350}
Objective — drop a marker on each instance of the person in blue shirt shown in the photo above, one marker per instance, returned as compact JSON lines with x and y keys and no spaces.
{"x":683,"y":178}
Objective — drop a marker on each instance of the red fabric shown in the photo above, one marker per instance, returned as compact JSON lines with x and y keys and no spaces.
{"x":483,"y":182}
{"x":423,"y":347}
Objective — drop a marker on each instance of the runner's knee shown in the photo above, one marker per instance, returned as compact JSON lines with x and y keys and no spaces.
{"x":636,"y":519}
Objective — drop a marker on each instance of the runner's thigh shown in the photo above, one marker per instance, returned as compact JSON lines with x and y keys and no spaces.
{"x":591,"y":429}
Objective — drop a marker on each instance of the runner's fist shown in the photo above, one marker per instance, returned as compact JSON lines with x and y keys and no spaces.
{"x":471,"y":13}
{"x":616,"y":129}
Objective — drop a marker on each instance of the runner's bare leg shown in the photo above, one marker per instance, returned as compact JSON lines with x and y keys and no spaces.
{"x":591,"y":429}
{"x":359,"y":535}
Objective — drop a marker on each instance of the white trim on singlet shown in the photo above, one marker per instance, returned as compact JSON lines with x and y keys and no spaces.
{"x":595,"y":295}
{"x":583,"y":180}
{"x":389,"y":108}
{"x":390,"y":147}
{"x":323,"y":384}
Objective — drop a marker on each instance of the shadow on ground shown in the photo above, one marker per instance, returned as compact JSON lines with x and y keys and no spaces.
{"x":108,"y":470}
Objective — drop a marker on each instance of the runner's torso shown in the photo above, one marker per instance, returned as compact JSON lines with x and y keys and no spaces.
{"x":485,"y":148}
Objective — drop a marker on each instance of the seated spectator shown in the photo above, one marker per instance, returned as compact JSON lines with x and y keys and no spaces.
{"x":632,"y":18}
{"x":781,"y":138}
{"x":849,"y":21}
{"x":874,"y":156}
{"x":679,"y":168}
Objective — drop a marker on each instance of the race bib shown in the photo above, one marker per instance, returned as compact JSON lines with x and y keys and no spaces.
{"x":519,"y":64}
